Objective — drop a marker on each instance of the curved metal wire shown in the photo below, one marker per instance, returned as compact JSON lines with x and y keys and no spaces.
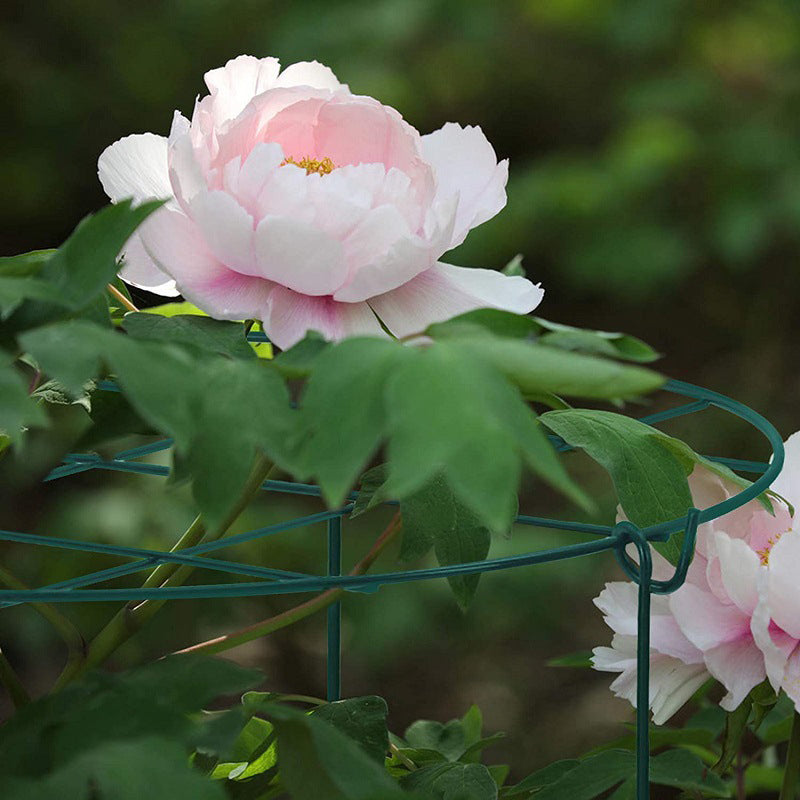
{"x":275,"y":581}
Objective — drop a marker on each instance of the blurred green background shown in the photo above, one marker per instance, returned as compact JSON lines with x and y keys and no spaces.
{"x":654,"y":188}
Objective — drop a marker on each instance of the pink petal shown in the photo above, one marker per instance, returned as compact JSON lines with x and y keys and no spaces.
{"x":238,"y":82}
{"x":177,"y":247}
{"x":140,"y":270}
{"x":784,"y":585}
{"x":292,"y":315}
{"x":443,"y":291}
{"x":739,"y":666}
{"x":227,"y":229}
{"x":705,"y":621}
{"x":465,"y":164}
{"x":299,"y":257}
{"x":135,"y":166}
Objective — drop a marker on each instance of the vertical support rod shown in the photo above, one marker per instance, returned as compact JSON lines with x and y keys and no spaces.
{"x":334,"y":667}
{"x":643,"y":672}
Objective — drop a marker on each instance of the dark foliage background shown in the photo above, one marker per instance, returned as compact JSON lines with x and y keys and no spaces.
{"x":655,"y":188}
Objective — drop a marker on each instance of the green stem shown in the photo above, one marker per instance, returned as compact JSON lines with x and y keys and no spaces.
{"x":10,"y":679}
{"x":295,"y":614}
{"x":76,"y":644}
{"x":791,"y":772}
{"x":130,"y":619}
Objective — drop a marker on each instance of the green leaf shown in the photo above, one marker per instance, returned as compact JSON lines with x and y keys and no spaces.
{"x":453,"y":782}
{"x":87,"y":261}
{"x":318,"y":761}
{"x":650,"y":480}
{"x":434,"y":516}
{"x":17,"y":410}
{"x":483,"y":321}
{"x":203,"y":333}
{"x":363,"y":719}
{"x":14,"y":291}
{"x":344,"y":411}
{"x":776,"y":726}
{"x":24,"y":265}
{"x":587,"y":779}
{"x":735,"y":727}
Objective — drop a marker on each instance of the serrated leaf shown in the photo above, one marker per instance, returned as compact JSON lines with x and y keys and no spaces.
{"x":363,"y":719}
{"x":650,"y":480}
{"x":435,"y":517}
{"x":203,"y":333}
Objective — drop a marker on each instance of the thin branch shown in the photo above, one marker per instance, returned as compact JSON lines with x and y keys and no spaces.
{"x":230,"y":640}
{"x":121,"y":297}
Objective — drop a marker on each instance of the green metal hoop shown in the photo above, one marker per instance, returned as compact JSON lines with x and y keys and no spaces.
{"x":275,"y":581}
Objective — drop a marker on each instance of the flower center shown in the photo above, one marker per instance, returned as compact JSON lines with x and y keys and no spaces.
{"x":323,"y":167}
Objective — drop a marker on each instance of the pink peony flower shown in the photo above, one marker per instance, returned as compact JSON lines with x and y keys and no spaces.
{"x":718,"y":624}
{"x":295,"y":202}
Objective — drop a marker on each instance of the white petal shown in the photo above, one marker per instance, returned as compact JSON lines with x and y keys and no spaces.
{"x":465,"y":164}
{"x":739,"y":568}
{"x":298,"y":256}
{"x":787,"y":484}
{"x":263,"y":160}
{"x":238,"y":82}
{"x":672,"y":684}
{"x":140,"y":270}
{"x":136,"y":167}
{"x":227,"y":229}
{"x":443,"y":291}
{"x":309,"y":73}
{"x":292,"y":315}
{"x":176,"y":245}
{"x":185,"y":174}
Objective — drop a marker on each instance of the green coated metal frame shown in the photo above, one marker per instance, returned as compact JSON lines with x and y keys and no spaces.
{"x":275,"y":581}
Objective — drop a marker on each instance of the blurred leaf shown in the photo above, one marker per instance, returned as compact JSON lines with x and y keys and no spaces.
{"x":776,"y":726}
{"x":175,"y":309}
{"x":614,"y":345}
{"x":543,"y":777}
{"x":203,"y":333}
{"x":514,"y":267}
{"x":363,"y":719}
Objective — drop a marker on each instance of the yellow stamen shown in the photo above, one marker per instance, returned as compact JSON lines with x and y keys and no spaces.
{"x":763,"y":554}
{"x":323,"y":167}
